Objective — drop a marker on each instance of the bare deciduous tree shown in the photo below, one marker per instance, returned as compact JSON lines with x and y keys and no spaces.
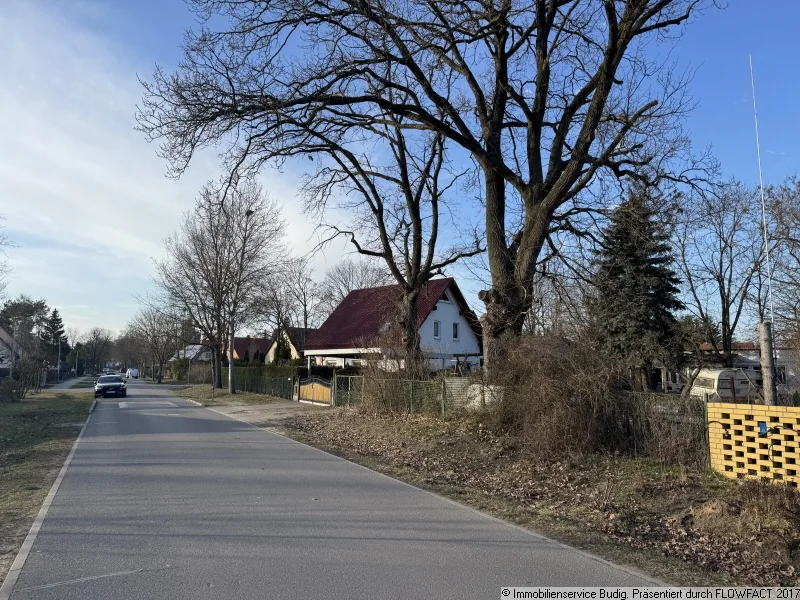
{"x":97,"y":345}
{"x":130,"y":349}
{"x":254,"y":229}
{"x":721,"y":254}
{"x":304,"y":293}
{"x":5,"y":267}
{"x":784,"y":208}
{"x":218,"y":262}
{"x":191,"y":276}
{"x":558,"y":306}
{"x":544,"y":97}
{"x":154,"y":328}
{"x":348,"y":275}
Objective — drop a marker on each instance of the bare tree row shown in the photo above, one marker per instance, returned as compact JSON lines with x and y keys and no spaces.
{"x":227,"y":270}
{"x":418,"y":115}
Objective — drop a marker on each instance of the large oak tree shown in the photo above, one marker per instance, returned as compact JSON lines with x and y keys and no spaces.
{"x":544,"y":97}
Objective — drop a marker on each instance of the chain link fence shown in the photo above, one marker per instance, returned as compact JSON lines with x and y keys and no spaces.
{"x":440,"y":396}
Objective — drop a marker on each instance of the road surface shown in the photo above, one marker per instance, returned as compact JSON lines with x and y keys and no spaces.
{"x":165,"y":499}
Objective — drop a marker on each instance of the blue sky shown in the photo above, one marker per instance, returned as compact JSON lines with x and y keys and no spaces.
{"x":85,"y":197}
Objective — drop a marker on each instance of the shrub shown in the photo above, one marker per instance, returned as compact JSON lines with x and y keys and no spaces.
{"x":9,"y":391}
{"x":179,"y":368}
{"x":200,"y":373}
{"x":562,"y":398}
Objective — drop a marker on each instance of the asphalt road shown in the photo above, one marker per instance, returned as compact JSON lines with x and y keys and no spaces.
{"x":179,"y":502}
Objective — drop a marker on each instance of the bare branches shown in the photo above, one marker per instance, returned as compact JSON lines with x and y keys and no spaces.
{"x":217,"y":263}
{"x":545,"y":98}
{"x":349,"y":275}
{"x":5,"y":268}
{"x":97,"y":344}
{"x":721,"y":255}
{"x":156,"y":330}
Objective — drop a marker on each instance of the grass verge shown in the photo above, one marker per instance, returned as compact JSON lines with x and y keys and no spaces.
{"x":208,"y":396}
{"x":85,"y":383}
{"x":686,"y":528}
{"x":36,"y":435}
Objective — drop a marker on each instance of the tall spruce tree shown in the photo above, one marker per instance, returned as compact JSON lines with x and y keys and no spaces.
{"x":636,"y":289}
{"x":52,"y":332}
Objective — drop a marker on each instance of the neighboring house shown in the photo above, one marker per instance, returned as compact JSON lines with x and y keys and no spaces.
{"x":250,"y":348}
{"x":297,"y":338}
{"x":9,"y":352}
{"x":362,"y":328}
{"x":194,"y":352}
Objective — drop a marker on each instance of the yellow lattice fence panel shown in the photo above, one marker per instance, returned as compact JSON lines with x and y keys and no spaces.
{"x":750,"y":441}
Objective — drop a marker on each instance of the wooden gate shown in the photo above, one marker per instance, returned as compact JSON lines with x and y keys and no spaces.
{"x":314,"y":389}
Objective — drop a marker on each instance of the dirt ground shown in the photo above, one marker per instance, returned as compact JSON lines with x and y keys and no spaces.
{"x":688,"y":528}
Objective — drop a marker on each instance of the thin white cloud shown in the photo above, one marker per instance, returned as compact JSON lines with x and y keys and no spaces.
{"x":72,"y":169}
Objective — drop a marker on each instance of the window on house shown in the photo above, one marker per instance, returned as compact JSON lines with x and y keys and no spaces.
{"x":437,"y":330}
{"x":455,"y":331}
{"x":445,"y":298}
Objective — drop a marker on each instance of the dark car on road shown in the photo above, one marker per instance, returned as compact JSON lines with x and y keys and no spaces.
{"x":110,"y":385}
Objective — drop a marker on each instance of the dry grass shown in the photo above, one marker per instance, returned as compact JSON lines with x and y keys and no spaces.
{"x":634,"y":511}
{"x":85,"y":383}
{"x":208,"y":396}
{"x":36,"y":435}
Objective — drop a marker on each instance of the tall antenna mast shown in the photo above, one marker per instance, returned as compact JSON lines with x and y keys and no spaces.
{"x":763,"y":203}
{"x":768,"y":372}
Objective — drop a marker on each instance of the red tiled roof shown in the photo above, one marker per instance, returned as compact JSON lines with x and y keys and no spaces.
{"x":251,"y":344}
{"x":363,"y":314}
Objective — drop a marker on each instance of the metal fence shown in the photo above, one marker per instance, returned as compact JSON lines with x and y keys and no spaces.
{"x":441,"y":396}
{"x":250,"y":380}
{"x":348,"y":390}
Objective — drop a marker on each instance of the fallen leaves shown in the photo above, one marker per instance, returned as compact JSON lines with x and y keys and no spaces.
{"x":630,"y":501}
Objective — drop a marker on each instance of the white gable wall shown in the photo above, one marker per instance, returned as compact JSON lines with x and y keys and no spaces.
{"x":5,"y":356}
{"x":445,"y":346}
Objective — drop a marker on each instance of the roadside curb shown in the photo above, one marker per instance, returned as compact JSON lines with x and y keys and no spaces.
{"x":91,"y":410}
{"x":19,"y":562}
{"x":193,"y":402}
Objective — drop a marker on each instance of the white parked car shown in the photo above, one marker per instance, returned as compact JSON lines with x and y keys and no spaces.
{"x":132,"y":373}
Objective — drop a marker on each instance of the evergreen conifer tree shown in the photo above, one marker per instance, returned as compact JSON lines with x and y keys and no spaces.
{"x":636,"y":289}
{"x":52,"y":333}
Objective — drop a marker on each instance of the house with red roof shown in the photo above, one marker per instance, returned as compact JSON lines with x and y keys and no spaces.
{"x":363,"y":328}
{"x":296,"y":338}
{"x":250,"y":348}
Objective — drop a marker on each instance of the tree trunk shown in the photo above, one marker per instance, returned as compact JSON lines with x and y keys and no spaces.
{"x":647,"y":378}
{"x":512,"y":267}
{"x":217,"y":361}
{"x":503,"y":319}
{"x":231,"y":368}
{"x":410,"y":332}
